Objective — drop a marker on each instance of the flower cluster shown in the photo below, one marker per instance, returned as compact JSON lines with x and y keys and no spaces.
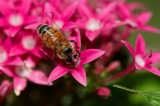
{"x":99,"y":27}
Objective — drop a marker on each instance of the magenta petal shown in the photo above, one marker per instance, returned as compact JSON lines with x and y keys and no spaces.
{"x":76,"y":38}
{"x":5,"y":8}
{"x":33,"y":26}
{"x":80,"y":75}
{"x":125,"y":12}
{"x":155,"y":57}
{"x":38,"y":77}
{"x":7,"y":71}
{"x":3,"y":22}
{"x":149,"y":28}
{"x":69,"y":11}
{"x":91,"y":35}
{"x":129,"y":47}
{"x":19,"y":85}
{"x":85,"y":11}
{"x":5,"y":89}
{"x":25,"y":6}
{"x":153,"y":70}
{"x":48,"y":52}
{"x":90,"y":55}
{"x":140,"y":45}
{"x":31,"y":19}
{"x":15,"y":61}
{"x":58,"y":72}
{"x":106,"y":11}
{"x":12,"y":31}
{"x":81,"y":23}
{"x":69,"y":25}
{"x":144,"y":17}
{"x":17,"y":50}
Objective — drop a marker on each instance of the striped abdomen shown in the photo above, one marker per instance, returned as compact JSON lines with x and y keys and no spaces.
{"x":51,"y":36}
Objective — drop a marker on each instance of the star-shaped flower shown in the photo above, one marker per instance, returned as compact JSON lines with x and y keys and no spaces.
{"x":143,"y":60}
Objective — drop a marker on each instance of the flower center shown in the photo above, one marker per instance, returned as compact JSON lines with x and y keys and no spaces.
{"x":93,"y":24}
{"x":3,"y":55}
{"x":22,"y":71}
{"x":29,"y":42}
{"x":15,"y":20}
{"x":139,"y":60}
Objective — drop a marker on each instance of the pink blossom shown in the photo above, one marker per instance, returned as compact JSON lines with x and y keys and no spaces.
{"x":27,"y":45}
{"x":104,"y":92}
{"x":140,"y":20}
{"x":94,"y":23}
{"x":26,"y":72}
{"x":13,"y":19}
{"x":5,"y":89}
{"x":78,"y":72}
{"x":142,"y":60}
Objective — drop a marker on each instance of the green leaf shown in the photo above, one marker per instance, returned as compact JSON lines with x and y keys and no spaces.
{"x":152,"y":97}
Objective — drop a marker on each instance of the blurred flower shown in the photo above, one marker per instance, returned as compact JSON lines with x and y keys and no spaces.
{"x":142,"y":60}
{"x":104,"y":92}
{"x":13,"y":19}
{"x":5,"y":89}
{"x":112,"y":66}
{"x":140,"y":20}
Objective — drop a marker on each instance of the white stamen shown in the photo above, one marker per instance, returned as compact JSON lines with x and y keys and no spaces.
{"x":93,"y":24}
{"x":29,"y":42}
{"x":15,"y":20}
{"x":3,"y":55}
{"x":139,"y":60}
{"x":22,"y":71}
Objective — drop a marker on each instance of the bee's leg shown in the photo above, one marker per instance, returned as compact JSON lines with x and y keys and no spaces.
{"x":77,"y":52}
{"x":74,"y":42}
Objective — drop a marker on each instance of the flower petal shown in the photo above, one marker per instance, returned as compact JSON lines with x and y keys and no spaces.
{"x":106,"y":11}
{"x":38,"y":77}
{"x":17,"y":50}
{"x":90,"y":55}
{"x":144,"y":17}
{"x":91,"y":35}
{"x":48,"y":52}
{"x":58,"y":72}
{"x":12,"y":31}
{"x":129,"y":47}
{"x":153,"y":70}
{"x":124,"y":10}
{"x":69,"y":11}
{"x":155,"y":57}
{"x":31,"y":19}
{"x":69,"y":25}
{"x":15,"y":61}
{"x":80,"y":75}
{"x":7,"y":71}
{"x":19,"y":85}
{"x":25,"y":6}
{"x":85,"y":11}
{"x":140,"y":45}
{"x":149,"y":28}
{"x":4,"y":8}
{"x":3,"y":22}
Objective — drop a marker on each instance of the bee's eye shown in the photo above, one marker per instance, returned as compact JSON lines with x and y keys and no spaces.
{"x":67,"y":51}
{"x":69,"y":59}
{"x":75,"y":56}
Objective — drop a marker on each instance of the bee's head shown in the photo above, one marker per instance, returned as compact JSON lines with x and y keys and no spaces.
{"x":74,"y":58}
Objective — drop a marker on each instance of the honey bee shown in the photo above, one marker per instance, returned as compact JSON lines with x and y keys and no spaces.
{"x":56,"y":40}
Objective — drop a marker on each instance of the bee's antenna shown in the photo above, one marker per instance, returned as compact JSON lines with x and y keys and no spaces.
{"x":51,"y":17}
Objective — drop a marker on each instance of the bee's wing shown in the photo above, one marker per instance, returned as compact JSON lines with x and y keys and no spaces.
{"x":56,"y":26}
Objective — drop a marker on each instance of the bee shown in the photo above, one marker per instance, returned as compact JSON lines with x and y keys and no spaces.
{"x":56,"y":40}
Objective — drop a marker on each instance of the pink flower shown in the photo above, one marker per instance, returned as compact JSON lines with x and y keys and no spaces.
{"x":26,"y":72}
{"x":5,"y":89}
{"x":142,"y":60}
{"x":95,"y":23}
{"x":78,"y":73}
{"x":5,"y":59}
{"x":27,"y":45}
{"x":14,"y":18}
{"x":140,"y":20}
{"x":104,"y":92}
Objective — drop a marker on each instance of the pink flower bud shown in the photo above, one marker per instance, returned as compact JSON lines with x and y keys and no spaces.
{"x":5,"y":89}
{"x":113,"y":66}
{"x":99,"y":69}
{"x":104,"y":92}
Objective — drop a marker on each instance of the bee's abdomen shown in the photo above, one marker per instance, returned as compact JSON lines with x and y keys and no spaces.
{"x":42,"y":29}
